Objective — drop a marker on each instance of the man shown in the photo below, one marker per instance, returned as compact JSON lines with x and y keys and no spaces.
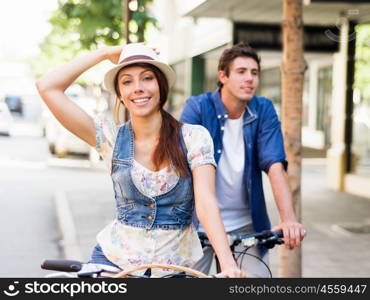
{"x":247,"y":140}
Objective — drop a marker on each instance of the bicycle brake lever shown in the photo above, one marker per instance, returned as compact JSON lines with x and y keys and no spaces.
{"x":90,"y":270}
{"x":250,"y":242}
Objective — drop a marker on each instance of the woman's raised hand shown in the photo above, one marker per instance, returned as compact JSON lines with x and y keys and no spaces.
{"x":113,"y":53}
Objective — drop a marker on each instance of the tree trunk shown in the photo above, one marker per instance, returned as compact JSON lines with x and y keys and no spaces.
{"x":293,"y":69}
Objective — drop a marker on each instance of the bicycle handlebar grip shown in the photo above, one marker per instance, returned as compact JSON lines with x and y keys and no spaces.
{"x":62,"y":265}
{"x":279,"y":233}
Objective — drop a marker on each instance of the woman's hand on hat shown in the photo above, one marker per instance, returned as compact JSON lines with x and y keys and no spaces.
{"x":156,"y":51}
{"x":113,"y":53}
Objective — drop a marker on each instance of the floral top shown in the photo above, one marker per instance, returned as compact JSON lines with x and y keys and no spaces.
{"x":128,"y":246}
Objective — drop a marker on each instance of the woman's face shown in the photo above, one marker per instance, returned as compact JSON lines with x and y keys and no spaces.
{"x":139,"y":90}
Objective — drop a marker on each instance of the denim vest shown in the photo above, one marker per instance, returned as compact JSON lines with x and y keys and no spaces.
{"x":172,"y":210}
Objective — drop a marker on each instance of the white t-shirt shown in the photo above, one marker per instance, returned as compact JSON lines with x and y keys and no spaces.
{"x":230,"y":189}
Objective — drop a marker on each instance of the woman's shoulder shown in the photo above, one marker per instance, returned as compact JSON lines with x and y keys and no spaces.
{"x":190,"y":129}
{"x":199,"y":145}
{"x":195,"y":135}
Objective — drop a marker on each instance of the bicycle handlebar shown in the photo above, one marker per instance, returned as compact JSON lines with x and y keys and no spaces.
{"x":267,"y":239}
{"x":62,"y":265}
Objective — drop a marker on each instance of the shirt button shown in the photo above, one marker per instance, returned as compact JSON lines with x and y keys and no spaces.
{"x":219,"y":116}
{"x":222,"y":128}
{"x":150,"y":218}
{"x":151,"y":206}
{"x":219,"y":151}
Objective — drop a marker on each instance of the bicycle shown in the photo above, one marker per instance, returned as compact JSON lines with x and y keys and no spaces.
{"x":268,"y":239}
{"x":83,"y":270}
{"x":78,"y":269}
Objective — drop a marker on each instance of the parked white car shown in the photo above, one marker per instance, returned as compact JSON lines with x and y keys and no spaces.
{"x":6,"y":119}
{"x":60,"y":140}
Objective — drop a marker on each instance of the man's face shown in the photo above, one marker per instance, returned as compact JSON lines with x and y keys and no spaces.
{"x":243,"y":78}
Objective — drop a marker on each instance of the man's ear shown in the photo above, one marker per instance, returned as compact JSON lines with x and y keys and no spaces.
{"x":222,"y":77}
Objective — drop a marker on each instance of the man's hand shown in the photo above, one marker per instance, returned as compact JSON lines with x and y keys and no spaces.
{"x":293,"y":233}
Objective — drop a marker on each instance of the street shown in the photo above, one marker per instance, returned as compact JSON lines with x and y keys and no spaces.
{"x":29,"y":178}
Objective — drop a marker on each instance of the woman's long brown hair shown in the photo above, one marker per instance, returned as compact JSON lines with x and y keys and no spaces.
{"x":168,"y":148}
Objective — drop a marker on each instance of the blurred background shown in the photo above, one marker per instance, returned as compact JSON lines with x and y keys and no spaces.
{"x":49,"y":178}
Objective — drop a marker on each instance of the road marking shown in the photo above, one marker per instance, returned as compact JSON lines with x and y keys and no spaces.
{"x":67,"y":226}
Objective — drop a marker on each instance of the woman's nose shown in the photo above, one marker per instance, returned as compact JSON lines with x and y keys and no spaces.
{"x":138,"y":87}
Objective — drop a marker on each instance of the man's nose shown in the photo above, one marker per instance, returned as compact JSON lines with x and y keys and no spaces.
{"x":248,"y":76}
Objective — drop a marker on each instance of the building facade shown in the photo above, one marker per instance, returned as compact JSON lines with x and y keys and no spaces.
{"x":335,"y":116}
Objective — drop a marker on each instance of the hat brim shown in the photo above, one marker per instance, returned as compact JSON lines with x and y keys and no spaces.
{"x":112,"y":73}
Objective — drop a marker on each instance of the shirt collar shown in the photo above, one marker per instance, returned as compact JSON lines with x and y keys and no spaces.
{"x":249,"y":115}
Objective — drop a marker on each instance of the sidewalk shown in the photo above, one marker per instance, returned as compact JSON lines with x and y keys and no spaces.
{"x":331,"y":248}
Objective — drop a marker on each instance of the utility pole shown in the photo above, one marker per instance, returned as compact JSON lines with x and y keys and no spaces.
{"x":127,"y":17}
{"x":126,"y":30}
{"x":293,"y":69}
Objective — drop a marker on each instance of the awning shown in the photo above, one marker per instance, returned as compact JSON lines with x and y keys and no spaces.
{"x":315,"y":12}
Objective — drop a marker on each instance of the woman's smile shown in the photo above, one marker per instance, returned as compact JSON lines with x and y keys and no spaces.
{"x":141,"y":101}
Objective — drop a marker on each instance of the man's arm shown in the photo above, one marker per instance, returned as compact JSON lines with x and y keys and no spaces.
{"x":191,"y":113}
{"x":293,"y":230}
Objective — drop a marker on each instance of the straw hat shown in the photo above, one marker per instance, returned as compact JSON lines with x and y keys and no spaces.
{"x":131,"y":54}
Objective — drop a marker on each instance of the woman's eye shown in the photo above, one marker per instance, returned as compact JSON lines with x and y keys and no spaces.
{"x":126,"y":82}
{"x":148,"y":78}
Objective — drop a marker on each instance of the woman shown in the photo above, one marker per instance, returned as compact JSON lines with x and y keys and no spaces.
{"x":159,"y":166}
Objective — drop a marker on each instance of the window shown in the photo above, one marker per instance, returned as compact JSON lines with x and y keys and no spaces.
{"x":324,"y":92}
{"x":270,"y":86}
{"x":177,"y":95}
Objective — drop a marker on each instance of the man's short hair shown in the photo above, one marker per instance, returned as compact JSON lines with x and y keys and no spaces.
{"x":242,"y":49}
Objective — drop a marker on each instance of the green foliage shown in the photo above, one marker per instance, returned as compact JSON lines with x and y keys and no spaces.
{"x":362,"y":74}
{"x":81,"y":25}
{"x":98,"y":21}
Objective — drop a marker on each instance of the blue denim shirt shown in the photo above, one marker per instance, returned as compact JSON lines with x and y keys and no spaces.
{"x":262,"y":138}
{"x":172,"y":210}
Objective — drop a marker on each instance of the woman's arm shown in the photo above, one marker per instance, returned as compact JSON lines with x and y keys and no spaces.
{"x":209,"y":216}
{"x":52,"y":85}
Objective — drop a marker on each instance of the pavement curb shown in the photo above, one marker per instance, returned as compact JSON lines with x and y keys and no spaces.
{"x":70,"y":245}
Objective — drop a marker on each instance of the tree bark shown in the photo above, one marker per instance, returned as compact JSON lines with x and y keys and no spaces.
{"x":293,"y":68}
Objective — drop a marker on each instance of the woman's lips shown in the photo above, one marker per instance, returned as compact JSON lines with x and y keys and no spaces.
{"x":141,"y":101}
